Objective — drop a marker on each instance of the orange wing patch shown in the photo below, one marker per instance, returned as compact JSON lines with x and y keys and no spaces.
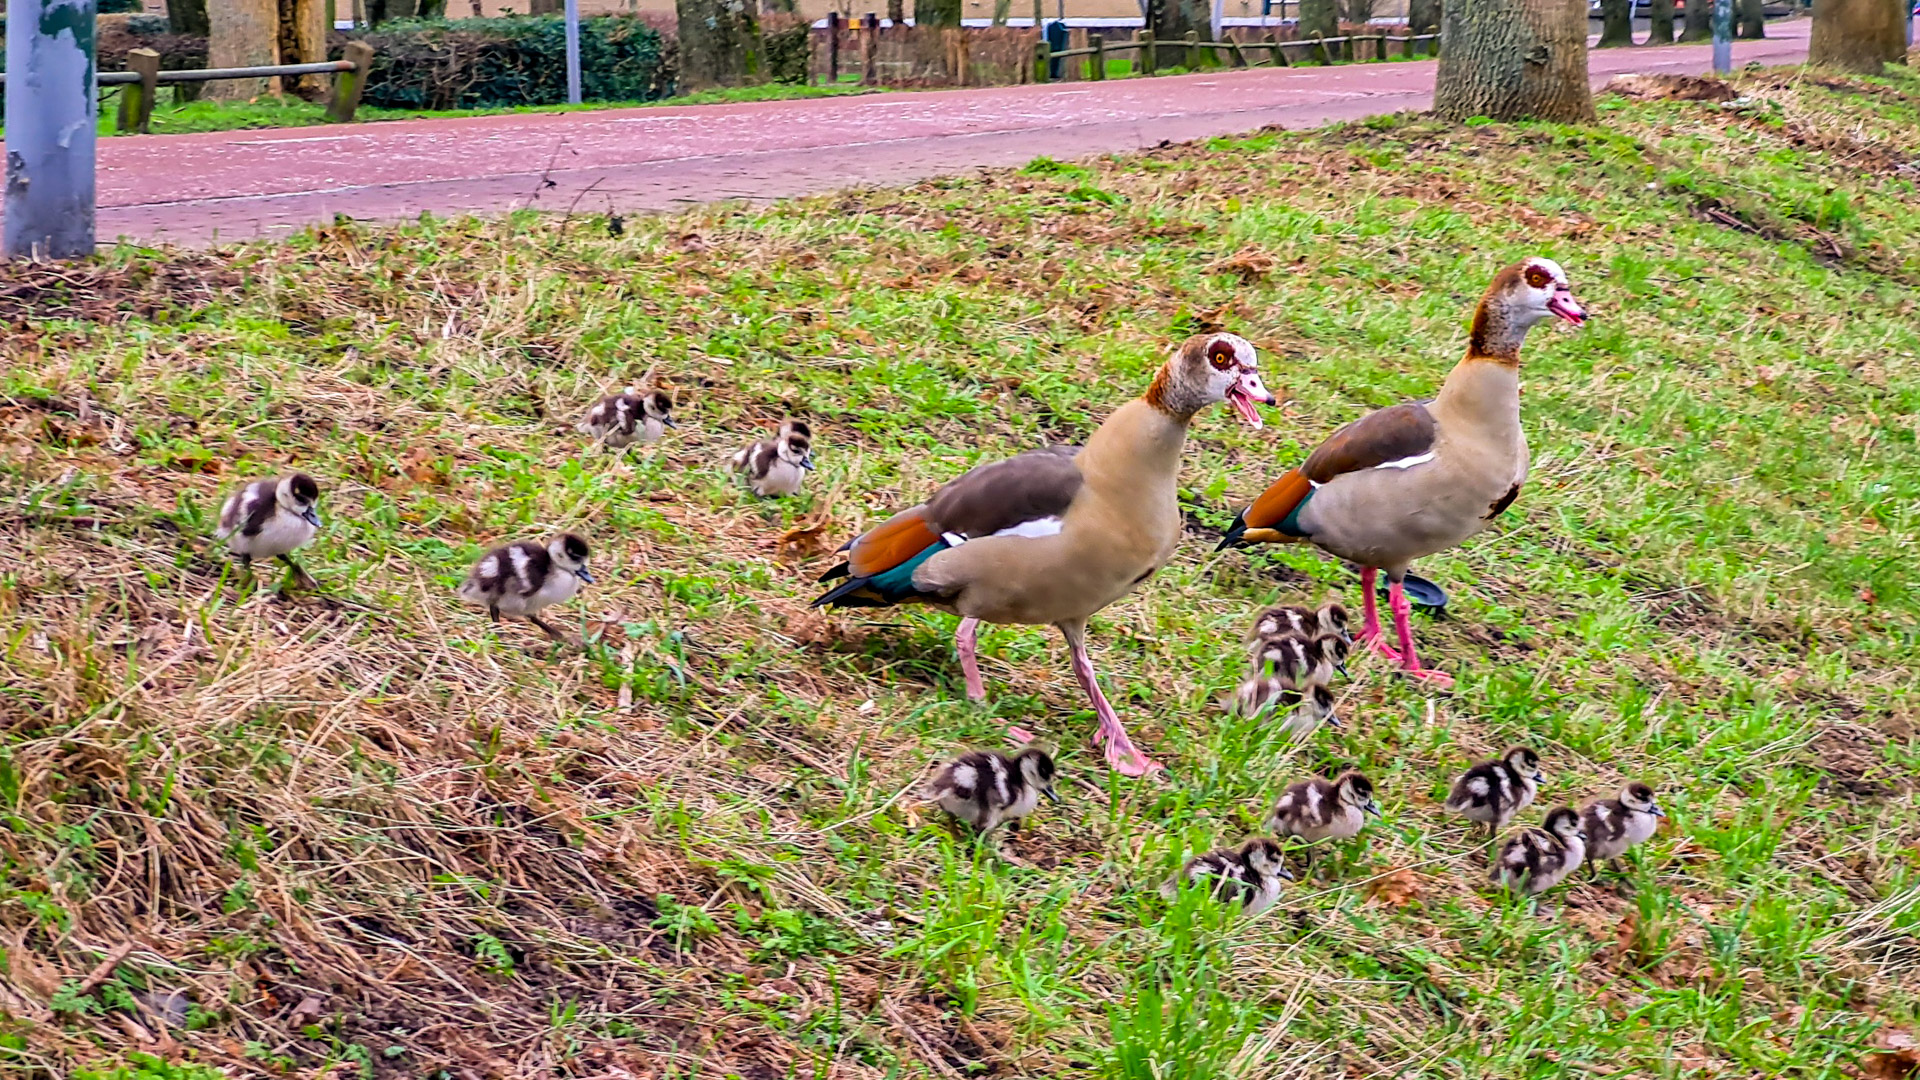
{"x":1275,"y":503}
{"x":891,"y":543}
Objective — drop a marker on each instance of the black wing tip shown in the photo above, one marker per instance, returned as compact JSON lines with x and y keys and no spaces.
{"x":843,"y":570}
{"x":1234,"y":534}
{"x":841,"y":595}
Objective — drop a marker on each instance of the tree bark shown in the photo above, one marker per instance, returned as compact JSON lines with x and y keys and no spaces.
{"x":1616,"y":23}
{"x":241,"y":33}
{"x":303,"y":40}
{"x":1858,"y":35}
{"x":719,"y":43}
{"x":1699,"y":21}
{"x":936,"y":12}
{"x":545,"y":7}
{"x":187,"y":17}
{"x":897,"y":12}
{"x":1170,"y":20}
{"x":1660,"y":20}
{"x":1749,"y":19}
{"x":1514,"y":59}
{"x":1423,"y":16}
{"x":1319,"y":17}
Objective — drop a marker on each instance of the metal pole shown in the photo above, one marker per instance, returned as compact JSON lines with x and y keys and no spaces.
{"x":51,"y":119}
{"x":1219,"y":13}
{"x":1722,"y":36}
{"x":573,"y":52}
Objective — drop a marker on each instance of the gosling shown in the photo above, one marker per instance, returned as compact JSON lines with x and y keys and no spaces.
{"x":620,"y":420}
{"x":1536,"y":860}
{"x":1615,"y":825}
{"x":525,"y":578}
{"x":986,"y":789}
{"x":1250,"y":874}
{"x":1493,"y":791}
{"x":272,"y":519}
{"x":1316,"y":809}
{"x":778,"y":467}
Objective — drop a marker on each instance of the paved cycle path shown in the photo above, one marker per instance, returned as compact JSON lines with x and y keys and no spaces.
{"x":196,"y":189}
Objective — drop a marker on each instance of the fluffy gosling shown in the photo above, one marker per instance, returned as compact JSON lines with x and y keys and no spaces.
{"x":1285,"y":677}
{"x":986,"y":789}
{"x":1297,"y":621}
{"x":620,"y":420}
{"x":1315,"y":810}
{"x":1615,"y":825}
{"x":1493,"y":791}
{"x":1536,"y":860}
{"x":779,"y":466}
{"x":271,"y":519}
{"x":526,"y":577}
{"x":1250,"y":873}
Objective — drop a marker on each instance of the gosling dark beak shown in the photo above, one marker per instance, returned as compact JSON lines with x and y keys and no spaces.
{"x":807,"y":462}
{"x":583,"y":575}
{"x":1373,"y":808}
{"x":1657,"y":812}
{"x":1051,"y":797}
{"x":312,"y":514}
{"x":1286,"y":873}
{"x":1334,"y":722}
{"x":668,"y":420}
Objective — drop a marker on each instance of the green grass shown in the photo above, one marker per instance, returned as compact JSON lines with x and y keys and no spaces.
{"x":691,"y":849}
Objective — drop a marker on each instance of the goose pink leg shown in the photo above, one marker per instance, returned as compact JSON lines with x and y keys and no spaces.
{"x":1403,"y":626}
{"x":1371,"y":634}
{"x":963,"y":642}
{"x":1122,"y":755}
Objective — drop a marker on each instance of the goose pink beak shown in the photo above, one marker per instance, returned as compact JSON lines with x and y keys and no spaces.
{"x":1566,"y":307}
{"x":1245,"y":394}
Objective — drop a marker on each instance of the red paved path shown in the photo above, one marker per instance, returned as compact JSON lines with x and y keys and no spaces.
{"x":235,"y":185}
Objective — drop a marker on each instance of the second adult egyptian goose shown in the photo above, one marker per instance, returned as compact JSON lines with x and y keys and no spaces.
{"x":1418,"y":478}
{"x":1051,"y":536}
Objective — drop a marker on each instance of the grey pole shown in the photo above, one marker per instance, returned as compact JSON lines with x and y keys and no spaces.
{"x":51,"y":113}
{"x":1722,"y":36}
{"x":573,"y":52}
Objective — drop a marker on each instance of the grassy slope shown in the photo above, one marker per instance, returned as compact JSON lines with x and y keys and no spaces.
{"x":366,"y":829}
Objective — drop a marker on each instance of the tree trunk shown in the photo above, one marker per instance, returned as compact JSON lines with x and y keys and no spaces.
{"x":1514,"y":59}
{"x":1319,"y":17}
{"x":897,"y":12}
{"x":1423,"y":16}
{"x":719,"y":43}
{"x":1699,"y":21}
{"x":1660,"y":19}
{"x":1616,"y":23}
{"x":303,"y":40}
{"x":1750,"y":19}
{"x":1858,"y":35}
{"x":936,"y":12}
{"x":545,"y":7}
{"x":241,"y":33}
{"x":406,"y":9}
{"x":187,"y":17}
{"x":1170,"y":20}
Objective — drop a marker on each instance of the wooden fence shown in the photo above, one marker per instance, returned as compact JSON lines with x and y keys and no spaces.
{"x":142,"y":83}
{"x":913,"y":56}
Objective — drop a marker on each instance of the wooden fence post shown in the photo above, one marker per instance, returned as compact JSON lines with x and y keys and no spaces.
{"x":870,"y":50}
{"x":1193,"y":50}
{"x":1098,"y":61}
{"x":1042,"y":61}
{"x":136,"y":99}
{"x":1274,"y":50}
{"x":1320,"y":49}
{"x":1146,"y":52}
{"x":833,"y":48}
{"x":349,"y":85}
{"x":1239,"y":58}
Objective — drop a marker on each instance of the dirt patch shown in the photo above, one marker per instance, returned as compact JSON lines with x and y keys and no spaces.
{"x":1669,"y":88}
{"x":1851,"y":760}
{"x":92,"y":292}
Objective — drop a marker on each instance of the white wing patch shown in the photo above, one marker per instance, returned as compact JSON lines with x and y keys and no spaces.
{"x":1407,"y":462}
{"x":1046,"y":526}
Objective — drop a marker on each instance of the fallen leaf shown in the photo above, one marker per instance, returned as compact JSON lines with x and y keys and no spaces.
{"x":803,"y":541}
{"x":1397,"y":889}
{"x":422,"y":466}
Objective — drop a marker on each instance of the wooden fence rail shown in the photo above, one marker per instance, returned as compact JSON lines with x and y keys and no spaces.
{"x":1149,"y":50}
{"x":143,"y":80}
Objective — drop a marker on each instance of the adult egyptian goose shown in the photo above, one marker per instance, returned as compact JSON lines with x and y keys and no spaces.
{"x":1407,"y":481}
{"x":1051,"y":536}
{"x":271,"y":519}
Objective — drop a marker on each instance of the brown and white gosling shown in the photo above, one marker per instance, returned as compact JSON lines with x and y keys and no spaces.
{"x":778,"y":467}
{"x":526,"y":577}
{"x":271,"y":519}
{"x":1615,"y":825}
{"x":1285,"y":619}
{"x":1315,"y":810}
{"x":1250,"y":873}
{"x":1535,"y":860}
{"x":1493,"y":791}
{"x":986,"y":789}
{"x":1285,"y":678}
{"x":620,"y":420}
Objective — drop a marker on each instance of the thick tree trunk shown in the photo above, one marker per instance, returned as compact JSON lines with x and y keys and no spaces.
{"x":936,"y":12}
{"x":1170,"y":20}
{"x":303,"y":40}
{"x":897,"y":12}
{"x":719,"y":43}
{"x":1699,"y":21}
{"x":1616,"y":23}
{"x":241,"y":33}
{"x":1750,"y":19}
{"x":1513,"y":59}
{"x":1319,"y":17}
{"x":187,"y":17}
{"x":1858,"y":35}
{"x":545,"y":7}
{"x":1660,"y":20}
{"x":1423,"y":16}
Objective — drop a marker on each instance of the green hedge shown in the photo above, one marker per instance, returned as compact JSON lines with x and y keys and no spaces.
{"x":481,"y":63}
